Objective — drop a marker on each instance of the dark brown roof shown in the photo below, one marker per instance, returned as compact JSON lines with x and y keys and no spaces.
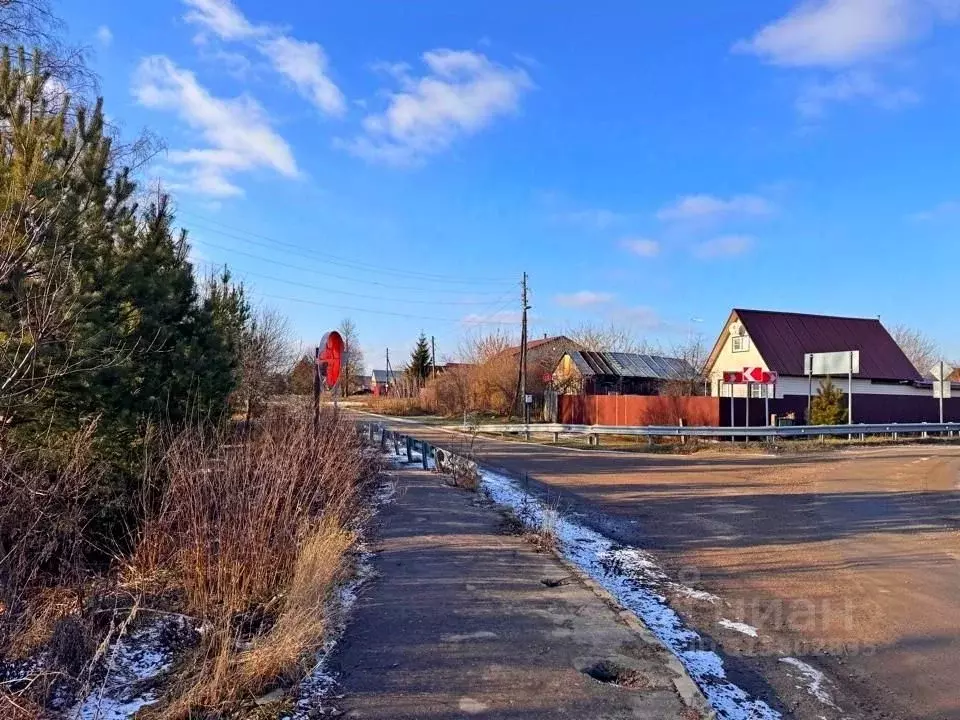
{"x":782,"y":338}
{"x":534,"y":344}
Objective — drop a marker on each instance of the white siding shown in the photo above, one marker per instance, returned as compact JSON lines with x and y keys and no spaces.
{"x":800,"y":386}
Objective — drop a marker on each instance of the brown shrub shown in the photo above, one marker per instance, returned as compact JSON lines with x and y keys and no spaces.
{"x":43,"y":523}
{"x":397,"y":406}
{"x":254,"y":537}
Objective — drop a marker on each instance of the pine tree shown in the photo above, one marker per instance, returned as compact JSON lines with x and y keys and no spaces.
{"x":829,"y":405}
{"x":420,"y":363}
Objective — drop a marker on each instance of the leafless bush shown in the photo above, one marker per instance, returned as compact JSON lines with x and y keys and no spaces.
{"x":254,"y":537}
{"x":43,"y":517}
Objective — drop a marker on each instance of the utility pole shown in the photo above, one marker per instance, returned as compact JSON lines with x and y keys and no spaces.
{"x":433,"y":354}
{"x":523,"y":350}
{"x":389,"y":373}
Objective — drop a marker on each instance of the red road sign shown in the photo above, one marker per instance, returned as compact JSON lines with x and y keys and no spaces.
{"x":759,"y":375}
{"x":733,"y":377}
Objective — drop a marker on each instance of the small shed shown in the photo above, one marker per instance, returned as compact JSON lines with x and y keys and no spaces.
{"x":583,"y":372}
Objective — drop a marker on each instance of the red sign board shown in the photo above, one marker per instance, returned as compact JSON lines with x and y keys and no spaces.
{"x":759,"y":375}
{"x":750,"y":375}
{"x":330,"y":358}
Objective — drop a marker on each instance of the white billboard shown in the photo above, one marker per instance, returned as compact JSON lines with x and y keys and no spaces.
{"x":832,"y":363}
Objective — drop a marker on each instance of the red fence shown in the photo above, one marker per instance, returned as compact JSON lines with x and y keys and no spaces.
{"x":715,"y":411}
{"x":638,"y":410}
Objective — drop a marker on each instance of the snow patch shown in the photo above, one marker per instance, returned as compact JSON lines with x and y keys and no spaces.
{"x":631,"y":576}
{"x":738,"y":627}
{"x":815,"y":680}
{"x":134,"y":660}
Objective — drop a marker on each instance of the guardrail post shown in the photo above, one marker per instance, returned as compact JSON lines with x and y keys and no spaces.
{"x":383,"y":440}
{"x":409,"y":449}
{"x":370,"y":427}
{"x":396,"y":442}
{"x":556,"y":437}
{"x":425,"y":455}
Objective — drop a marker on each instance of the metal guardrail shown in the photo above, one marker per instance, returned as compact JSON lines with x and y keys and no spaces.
{"x":790,"y":431}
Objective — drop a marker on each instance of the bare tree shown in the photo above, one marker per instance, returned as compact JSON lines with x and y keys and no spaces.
{"x":265,"y":353}
{"x":608,"y":338}
{"x":921,"y":350}
{"x":694,"y":352}
{"x":33,"y":24}
{"x":353,"y":361}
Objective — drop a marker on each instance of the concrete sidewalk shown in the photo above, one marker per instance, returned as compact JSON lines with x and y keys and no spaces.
{"x":466,"y":619}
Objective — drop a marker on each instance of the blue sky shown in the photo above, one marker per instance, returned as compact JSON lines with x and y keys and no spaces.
{"x":645,"y":163}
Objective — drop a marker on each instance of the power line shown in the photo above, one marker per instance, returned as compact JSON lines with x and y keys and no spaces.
{"x":382,"y":312}
{"x":280,"y":263}
{"x":372,"y":297}
{"x":339,"y":260}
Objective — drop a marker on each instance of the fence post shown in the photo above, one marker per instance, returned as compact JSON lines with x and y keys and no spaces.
{"x":409,"y":449}
{"x":425,"y":455}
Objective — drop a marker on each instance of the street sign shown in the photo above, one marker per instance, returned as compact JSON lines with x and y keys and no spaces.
{"x":942,"y":390}
{"x":528,"y":399}
{"x":733,"y":377}
{"x":759,"y":375}
{"x":832,"y":363}
{"x":941,"y":371}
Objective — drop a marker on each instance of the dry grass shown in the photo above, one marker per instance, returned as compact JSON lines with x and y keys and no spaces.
{"x":395,"y":406}
{"x":254,"y":537}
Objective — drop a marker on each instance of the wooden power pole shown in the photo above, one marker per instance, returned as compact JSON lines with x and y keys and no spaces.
{"x":433,"y":354}
{"x":524,"y":406}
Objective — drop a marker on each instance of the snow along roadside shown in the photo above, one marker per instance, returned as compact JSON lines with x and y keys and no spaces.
{"x":628,"y":574}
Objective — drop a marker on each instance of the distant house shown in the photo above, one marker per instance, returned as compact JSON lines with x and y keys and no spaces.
{"x":382,"y":381}
{"x":542,"y":357}
{"x":778,"y":341}
{"x":582,"y":372}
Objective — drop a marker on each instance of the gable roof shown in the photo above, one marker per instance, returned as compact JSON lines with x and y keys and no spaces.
{"x":782,"y":338}
{"x":631,"y":365}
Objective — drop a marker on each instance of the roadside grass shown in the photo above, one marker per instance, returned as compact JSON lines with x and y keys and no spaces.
{"x":254,"y":538}
{"x":243,"y":535}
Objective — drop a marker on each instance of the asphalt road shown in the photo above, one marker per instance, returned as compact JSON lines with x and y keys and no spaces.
{"x":848,"y":560}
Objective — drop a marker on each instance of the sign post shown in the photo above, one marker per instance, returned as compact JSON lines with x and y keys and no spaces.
{"x":942,"y":389}
{"x":832,"y":363}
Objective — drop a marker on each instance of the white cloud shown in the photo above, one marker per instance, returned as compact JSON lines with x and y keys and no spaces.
{"x":583,"y":298}
{"x":641,"y":246}
{"x":503,"y":317}
{"x":706,"y":207}
{"x":304,"y":64}
{"x":104,"y":36}
{"x":948,"y":209}
{"x":463,"y":93}
{"x":848,"y":87}
{"x":841,"y":33}
{"x":220,"y":17}
{"x":723,"y":246}
{"x":237,"y":131}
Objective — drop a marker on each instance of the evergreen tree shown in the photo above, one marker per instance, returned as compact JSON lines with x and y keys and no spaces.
{"x":829,"y":407}
{"x":420,"y":361}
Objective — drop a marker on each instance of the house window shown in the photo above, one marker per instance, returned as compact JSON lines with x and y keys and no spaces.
{"x":757,"y":390}
{"x":741,"y":343}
